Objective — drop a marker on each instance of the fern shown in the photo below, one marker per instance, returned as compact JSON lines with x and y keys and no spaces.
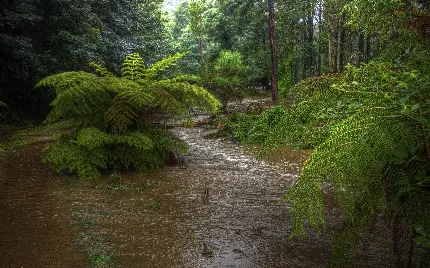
{"x":133,"y":67}
{"x":111,"y":109}
{"x":372,"y":159}
{"x":66,"y":154}
{"x":101,"y":71}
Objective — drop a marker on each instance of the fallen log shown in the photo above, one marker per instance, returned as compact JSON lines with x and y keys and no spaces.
{"x":201,"y":123}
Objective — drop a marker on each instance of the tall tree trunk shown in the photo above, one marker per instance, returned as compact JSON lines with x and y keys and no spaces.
{"x":367,"y":58}
{"x":360,"y":49}
{"x":320,"y":28}
{"x":342,"y":48}
{"x":336,"y":49}
{"x":310,"y":45}
{"x":274,"y":56}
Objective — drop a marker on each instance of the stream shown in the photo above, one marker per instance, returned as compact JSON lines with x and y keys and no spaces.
{"x":221,"y":207}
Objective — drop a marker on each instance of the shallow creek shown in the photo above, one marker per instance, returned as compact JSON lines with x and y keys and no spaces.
{"x":222,"y":207}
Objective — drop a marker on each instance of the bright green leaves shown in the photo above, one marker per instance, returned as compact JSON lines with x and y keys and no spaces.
{"x":229,"y":63}
{"x":92,"y":138}
{"x":101,"y":71}
{"x":162,"y":65}
{"x":227,"y":79}
{"x":80,"y":96}
{"x":67,"y":155}
{"x":372,"y":155}
{"x":134,"y":140}
{"x":133,"y":67}
{"x":371,"y":16}
{"x":112,"y":110}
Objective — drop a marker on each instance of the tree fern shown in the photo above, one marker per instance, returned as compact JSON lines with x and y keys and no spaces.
{"x":133,"y":67}
{"x":372,"y":160}
{"x":111,"y":111}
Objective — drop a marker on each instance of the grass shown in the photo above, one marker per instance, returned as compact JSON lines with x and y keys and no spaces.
{"x":20,"y":138}
{"x":100,"y":259}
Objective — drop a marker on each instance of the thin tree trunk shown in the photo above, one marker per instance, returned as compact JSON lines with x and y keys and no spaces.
{"x":336,"y":50}
{"x":320,"y":26}
{"x":310,"y":41}
{"x":360,"y":49}
{"x":342,"y":49}
{"x":367,"y":58}
{"x":274,"y":56}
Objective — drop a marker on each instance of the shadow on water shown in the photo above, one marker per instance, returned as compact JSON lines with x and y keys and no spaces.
{"x":222,"y":208}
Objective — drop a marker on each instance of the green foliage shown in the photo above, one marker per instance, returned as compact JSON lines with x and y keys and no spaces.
{"x":39,"y":39}
{"x":381,"y":15}
{"x":375,"y":160}
{"x":226,"y":80}
{"x":114,"y":130}
{"x":371,"y":129}
{"x":66,"y":154}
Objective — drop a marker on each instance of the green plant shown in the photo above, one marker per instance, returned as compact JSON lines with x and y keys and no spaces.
{"x":226,"y":79}
{"x":377,"y":160}
{"x":113,"y":115}
{"x":100,"y":259}
{"x":157,"y":205}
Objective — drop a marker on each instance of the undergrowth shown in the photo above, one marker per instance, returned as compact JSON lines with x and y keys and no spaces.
{"x":370,"y":127}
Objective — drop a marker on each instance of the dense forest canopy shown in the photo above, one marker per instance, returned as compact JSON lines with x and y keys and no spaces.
{"x":354,"y":85}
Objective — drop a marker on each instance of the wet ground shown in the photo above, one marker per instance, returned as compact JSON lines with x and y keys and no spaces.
{"x":221,"y":208}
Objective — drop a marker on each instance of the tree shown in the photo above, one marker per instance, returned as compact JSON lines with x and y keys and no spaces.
{"x":44,"y":37}
{"x":377,"y":159}
{"x":114,"y":130}
{"x":274,"y":55}
{"x":226,"y":81}
{"x":196,"y":10}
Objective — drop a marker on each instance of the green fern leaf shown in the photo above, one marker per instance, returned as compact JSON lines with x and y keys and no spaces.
{"x":101,"y":71}
{"x":133,"y":67}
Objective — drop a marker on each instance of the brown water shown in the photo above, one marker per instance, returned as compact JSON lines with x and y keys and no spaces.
{"x":221,"y":208}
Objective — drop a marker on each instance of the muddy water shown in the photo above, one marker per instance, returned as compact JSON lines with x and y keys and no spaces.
{"x":220,"y":208}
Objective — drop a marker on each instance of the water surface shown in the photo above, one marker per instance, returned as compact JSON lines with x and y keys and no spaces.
{"x":220,"y":208}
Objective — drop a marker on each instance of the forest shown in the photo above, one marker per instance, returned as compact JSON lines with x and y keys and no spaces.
{"x":346,"y":80}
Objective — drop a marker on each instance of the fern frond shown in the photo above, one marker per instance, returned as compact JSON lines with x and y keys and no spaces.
{"x":133,"y":67}
{"x":156,"y":68}
{"x":352,"y":160}
{"x":137,"y":140}
{"x":2,"y":104}
{"x":130,"y":99}
{"x":79,"y":95}
{"x":92,"y":138}
{"x":67,"y":154}
{"x":101,"y":71}
{"x":189,"y":95}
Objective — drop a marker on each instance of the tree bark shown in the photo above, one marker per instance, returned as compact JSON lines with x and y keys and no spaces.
{"x":320,"y":28}
{"x":368,"y":47}
{"x":360,"y":49}
{"x":274,"y":56}
{"x":336,"y":50}
{"x":342,"y":47}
